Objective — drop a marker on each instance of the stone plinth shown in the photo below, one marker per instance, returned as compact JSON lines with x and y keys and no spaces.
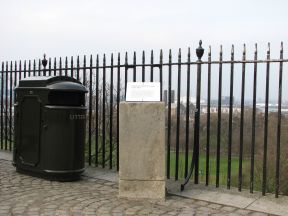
{"x":142,"y":150}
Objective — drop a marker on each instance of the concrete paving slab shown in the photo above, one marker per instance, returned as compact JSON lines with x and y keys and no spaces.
{"x":6,"y":155}
{"x":216,"y":195}
{"x":271,"y":205}
{"x":244,"y":200}
{"x":100,"y":173}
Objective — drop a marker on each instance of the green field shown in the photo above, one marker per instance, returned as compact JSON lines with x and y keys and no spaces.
{"x":212,"y":168}
{"x":202,"y":166}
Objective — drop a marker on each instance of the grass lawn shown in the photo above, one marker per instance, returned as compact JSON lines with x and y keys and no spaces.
{"x":202,"y":165}
{"x":212,"y":168}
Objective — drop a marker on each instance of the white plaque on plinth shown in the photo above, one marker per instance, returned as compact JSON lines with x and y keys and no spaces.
{"x":143,"y":91}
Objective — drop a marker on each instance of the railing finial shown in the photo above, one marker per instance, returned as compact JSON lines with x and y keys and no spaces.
{"x":44,"y":61}
{"x":200,"y":51}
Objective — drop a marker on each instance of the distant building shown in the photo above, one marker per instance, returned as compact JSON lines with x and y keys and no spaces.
{"x":225,"y":101}
{"x":224,"y":109}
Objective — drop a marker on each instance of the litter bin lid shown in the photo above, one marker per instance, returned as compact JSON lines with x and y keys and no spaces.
{"x":64,"y":83}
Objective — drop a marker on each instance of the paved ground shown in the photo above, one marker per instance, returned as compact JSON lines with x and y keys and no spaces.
{"x":25,"y":195}
{"x":243,"y":200}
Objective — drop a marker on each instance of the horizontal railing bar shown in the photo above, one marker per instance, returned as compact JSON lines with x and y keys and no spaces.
{"x":157,"y":65}
{"x":246,"y":61}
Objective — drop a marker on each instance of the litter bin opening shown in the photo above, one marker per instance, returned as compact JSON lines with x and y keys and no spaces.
{"x":64,"y":98}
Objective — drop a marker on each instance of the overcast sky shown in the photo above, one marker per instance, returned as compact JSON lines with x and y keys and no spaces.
{"x":73,"y":27}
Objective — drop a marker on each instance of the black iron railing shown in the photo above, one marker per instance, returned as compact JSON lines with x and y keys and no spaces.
{"x":207,"y":135}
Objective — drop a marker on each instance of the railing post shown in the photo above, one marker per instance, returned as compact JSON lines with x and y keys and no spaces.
{"x":103,"y":112}
{"x":10,"y":106}
{"x":266,"y":116}
{"x":90,"y":111}
{"x":199,"y":53}
{"x":97,"y":113}
{"x":240,"y":175}
{"x":118,"y":103}
{"x":169,"y":114}
{"x":208,"y":117}
{"x":178,"y":116}
{"x":253,"y":122}
{"x":231,"y":101}
{"x":2,"y":105}
{"x":218,"y":144}
{"x":277,"y":180}
{"x":111,"y":113}
{"x":187,"y":115}
{"x":195,"y":156}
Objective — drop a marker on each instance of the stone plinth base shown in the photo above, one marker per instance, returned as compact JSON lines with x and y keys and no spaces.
{"x":142,"y":189}
{"x":142,"y":150}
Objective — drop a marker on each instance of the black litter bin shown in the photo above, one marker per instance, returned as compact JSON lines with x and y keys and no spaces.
{"x":50,"y":117}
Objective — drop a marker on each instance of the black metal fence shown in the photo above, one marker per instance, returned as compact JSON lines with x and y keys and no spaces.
{"x":231,"y":142}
